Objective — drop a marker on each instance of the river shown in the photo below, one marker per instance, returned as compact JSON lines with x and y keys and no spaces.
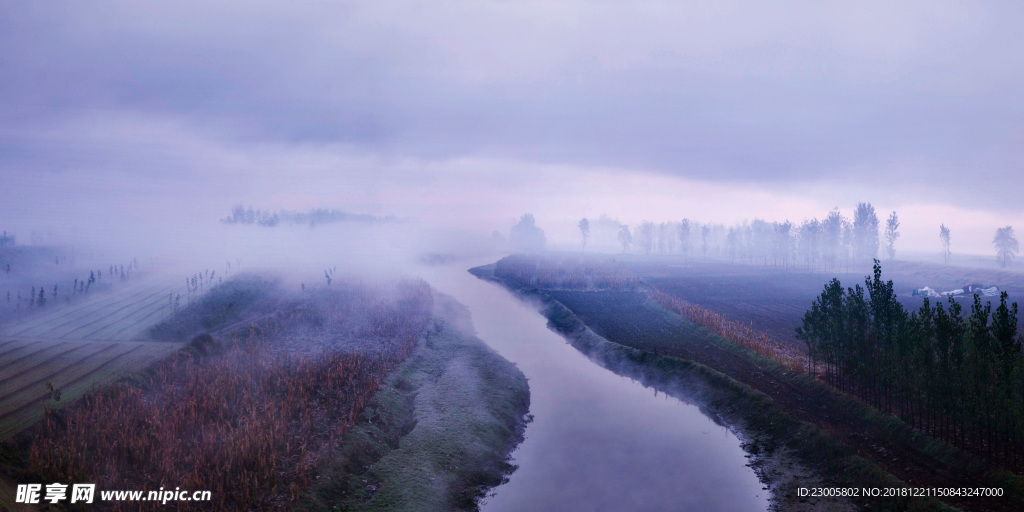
{"x":599,"y":441}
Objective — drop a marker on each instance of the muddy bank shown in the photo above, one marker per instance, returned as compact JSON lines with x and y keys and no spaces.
{"x":439,"y":432}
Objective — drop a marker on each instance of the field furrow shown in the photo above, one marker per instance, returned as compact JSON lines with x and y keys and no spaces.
{"x":5,"y":346}
{"x":11,"y":365}
{"x":25,"y":381}
{"x":20,"y":411}
{"x":12,"y":348}
{"x":138,"y":326}
{"x":62,"y":315}
{"x":129,"y":320}
{"x":77,"y":346}
{"x":103,"y":318}
{"x":72,"y":320}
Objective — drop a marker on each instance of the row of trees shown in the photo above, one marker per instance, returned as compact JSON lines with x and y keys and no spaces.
{"x":269,"y":218}
{"x":825,"y":243}
{"x":828,"y":244}
{"x":959,"y":375}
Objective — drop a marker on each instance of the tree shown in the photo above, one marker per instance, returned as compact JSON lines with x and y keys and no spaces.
{"x":667,"y":237}
{"x":944,"y":236}
{"x":1006,"y":245}
{"x":832,"y":228}
{"x":782,"y":241}
{"x":646,"y":237}
{"x":732,"y":242}
{"x":525,"y":236}
{"x":865,"y":233}
{"x":42,"y":297}
{"x":705,"y":233}
{"x":809,"y":237}
{"x":584,"y":226}
{"x":891,"y":234}
{"x":625,"y":237}
{"x":684,"y":237}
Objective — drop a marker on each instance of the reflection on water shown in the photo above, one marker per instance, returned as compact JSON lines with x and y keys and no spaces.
{"x":599,"y":441}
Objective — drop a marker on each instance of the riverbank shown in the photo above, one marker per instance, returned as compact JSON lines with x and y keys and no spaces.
{"x":438,"y":434}
{"x":292,"y":402}
{"x":787,"y":453}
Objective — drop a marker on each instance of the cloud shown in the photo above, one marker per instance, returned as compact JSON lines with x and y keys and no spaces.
{"x":372,"y":100}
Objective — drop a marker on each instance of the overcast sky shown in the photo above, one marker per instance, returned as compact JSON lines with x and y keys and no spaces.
{"x":471,"y":113}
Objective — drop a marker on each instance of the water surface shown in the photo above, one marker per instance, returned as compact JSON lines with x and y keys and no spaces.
{"x":599,"y":441}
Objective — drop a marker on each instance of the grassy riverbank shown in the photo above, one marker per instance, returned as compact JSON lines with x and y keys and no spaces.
{"x":355,"y":398}
{"x":774,"y":437}
{"x":438,"y":434}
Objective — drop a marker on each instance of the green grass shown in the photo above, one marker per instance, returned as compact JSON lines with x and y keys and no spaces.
{"x":439,"y":432}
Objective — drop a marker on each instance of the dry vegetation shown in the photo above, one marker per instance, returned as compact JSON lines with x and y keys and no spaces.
{"x":743,"y":335}
{"x":251,"y":418}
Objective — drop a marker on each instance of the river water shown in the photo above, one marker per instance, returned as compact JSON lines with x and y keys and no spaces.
{"x":599,"y":441}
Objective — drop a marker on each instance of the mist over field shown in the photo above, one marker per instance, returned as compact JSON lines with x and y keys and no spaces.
{"x":428,"y":256}
{"x":141,"y":125}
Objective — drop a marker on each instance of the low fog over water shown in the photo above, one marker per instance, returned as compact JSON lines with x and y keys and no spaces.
{"x":600,"y":441}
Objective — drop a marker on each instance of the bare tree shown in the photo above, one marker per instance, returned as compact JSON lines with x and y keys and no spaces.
{"x":684,"y":237}
{"x":891,"y":234}
{"x":705,"y":233}
{"x":667,"y":237}
{"x":808,"y":242}
{"x":625,"y":237}
{"x":584,"y":226}
{"x":1006,"y":245}
{"x":944,"y":236}
{"x":782,"y":242}
{"x":732,"y":242}
{"x":646,"y":237}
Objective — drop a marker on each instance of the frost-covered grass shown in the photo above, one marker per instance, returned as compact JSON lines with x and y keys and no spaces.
{"x":438,"y":433}
{"x":225,"y":303}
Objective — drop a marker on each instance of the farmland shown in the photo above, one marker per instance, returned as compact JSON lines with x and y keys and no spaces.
{"x":864,"y":441}
{"x":272,"y":402}
{"x":35,"y":280}
{"x":774,"y":301}
{"x":69,"y":349}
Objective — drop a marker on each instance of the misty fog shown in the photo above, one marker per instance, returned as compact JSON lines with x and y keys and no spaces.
{"x":697,"y":168}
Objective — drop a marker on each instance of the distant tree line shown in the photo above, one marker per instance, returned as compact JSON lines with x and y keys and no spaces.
{"x":248,"y":215}
{"x":957,"y":375}
{"x":828,"y":243}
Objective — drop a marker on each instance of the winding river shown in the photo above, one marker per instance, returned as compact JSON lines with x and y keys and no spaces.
{"x":599,"y":441}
